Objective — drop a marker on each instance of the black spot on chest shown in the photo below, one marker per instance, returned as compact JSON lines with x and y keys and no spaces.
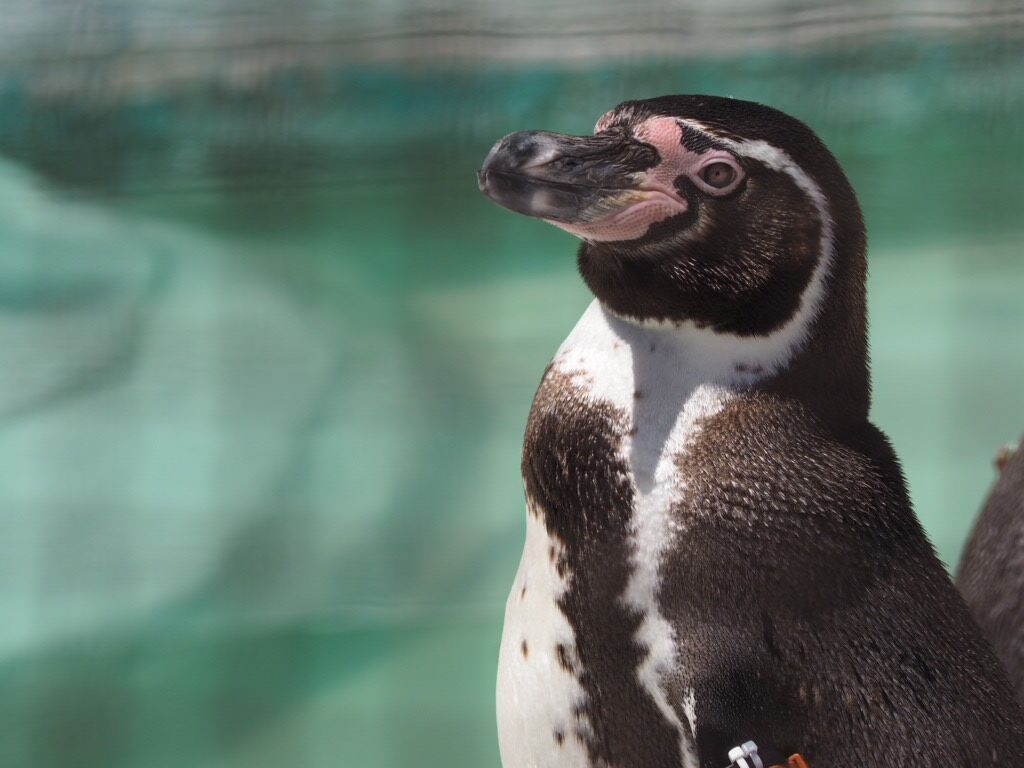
{"x":581,"y":485}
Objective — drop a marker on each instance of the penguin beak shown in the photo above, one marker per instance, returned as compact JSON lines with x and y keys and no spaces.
{"x":567,"y":180}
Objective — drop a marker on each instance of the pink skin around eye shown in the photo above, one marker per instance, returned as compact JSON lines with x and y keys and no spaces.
{"x":656,"y":198}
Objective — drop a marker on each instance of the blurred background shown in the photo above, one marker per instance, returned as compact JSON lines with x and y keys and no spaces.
{"x":267,"y":354}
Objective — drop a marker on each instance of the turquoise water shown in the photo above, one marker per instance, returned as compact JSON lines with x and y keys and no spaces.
{"x":269,"y":356}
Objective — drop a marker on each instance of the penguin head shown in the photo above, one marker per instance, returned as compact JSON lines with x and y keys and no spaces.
{"x":695,"y":210}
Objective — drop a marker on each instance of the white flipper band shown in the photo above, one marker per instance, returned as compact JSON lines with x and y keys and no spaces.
{"x":745,"y":756}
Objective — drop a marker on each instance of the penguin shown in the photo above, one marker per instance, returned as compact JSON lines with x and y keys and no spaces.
{"x":720,"y":549}
{"x":990,"y":575}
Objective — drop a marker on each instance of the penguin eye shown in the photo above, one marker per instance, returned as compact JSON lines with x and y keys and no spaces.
{"x":718,"y":175}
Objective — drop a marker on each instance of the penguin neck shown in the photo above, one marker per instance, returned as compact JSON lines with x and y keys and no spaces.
{"x":819,"y":357}
{"x":829,"y":371}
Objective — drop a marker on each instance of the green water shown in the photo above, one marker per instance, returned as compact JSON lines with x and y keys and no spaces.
{"x":268,"y":358}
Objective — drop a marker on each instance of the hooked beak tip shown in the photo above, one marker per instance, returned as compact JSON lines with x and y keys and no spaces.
{"x":555,"y":177}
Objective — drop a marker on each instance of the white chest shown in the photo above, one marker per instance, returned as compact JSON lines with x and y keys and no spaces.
{"x":663,"y":385}
{"x":537,"y":697}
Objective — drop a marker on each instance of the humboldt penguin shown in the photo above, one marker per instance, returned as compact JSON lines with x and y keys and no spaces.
{"x":720,"y":549}
{"x":991,"y":571}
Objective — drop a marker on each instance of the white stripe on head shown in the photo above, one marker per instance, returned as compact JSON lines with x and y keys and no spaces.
{"x":791,"y":336}
{"x":770,"y":352}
